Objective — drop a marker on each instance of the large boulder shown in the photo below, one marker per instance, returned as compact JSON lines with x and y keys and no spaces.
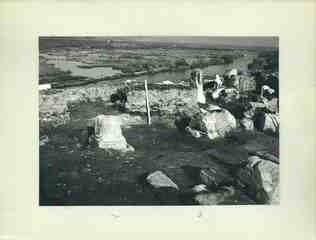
{"x":260,"y":180}
{"x":108,"y":133}
{"x":215,"y":124}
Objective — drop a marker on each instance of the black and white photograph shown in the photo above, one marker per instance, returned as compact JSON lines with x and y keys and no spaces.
{"x":158,"y":120}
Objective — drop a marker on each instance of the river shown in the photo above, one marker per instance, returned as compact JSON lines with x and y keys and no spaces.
{"x":240,"y":64}
{"x":63,"y":64}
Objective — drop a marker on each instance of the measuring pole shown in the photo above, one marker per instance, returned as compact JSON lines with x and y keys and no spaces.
{"x":240,"y":86}
{"x":147,"y":104}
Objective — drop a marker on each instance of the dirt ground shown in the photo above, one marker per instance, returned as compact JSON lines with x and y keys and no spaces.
{"x":74,"y":174}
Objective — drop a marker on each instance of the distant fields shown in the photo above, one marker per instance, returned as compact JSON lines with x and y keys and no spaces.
{"x":83,"y":61}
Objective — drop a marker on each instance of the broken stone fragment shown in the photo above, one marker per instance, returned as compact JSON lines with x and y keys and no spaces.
{"x":158,"y":179}
{"x":163,"y":188}
{"x":215,"y":198}
{"x":199,"y":188}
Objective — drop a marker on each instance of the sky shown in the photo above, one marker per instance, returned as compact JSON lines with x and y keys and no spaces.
{"x":213,"y":41}
{"x":192,"y":41}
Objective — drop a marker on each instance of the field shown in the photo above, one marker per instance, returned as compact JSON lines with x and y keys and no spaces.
{"x":82,"y":64}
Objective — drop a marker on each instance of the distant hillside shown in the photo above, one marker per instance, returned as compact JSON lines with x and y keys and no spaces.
{"x":148,"y":42}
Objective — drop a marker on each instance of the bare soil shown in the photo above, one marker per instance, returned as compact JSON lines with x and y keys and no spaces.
{"x":74,"y":174}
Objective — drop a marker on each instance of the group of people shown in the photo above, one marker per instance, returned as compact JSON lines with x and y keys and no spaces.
{"x":212,"y":89}
{"x":216,"y":88}
{"x":214,"y":99}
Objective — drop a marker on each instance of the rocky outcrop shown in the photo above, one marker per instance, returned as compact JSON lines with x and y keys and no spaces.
{"x":260,"y":179}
